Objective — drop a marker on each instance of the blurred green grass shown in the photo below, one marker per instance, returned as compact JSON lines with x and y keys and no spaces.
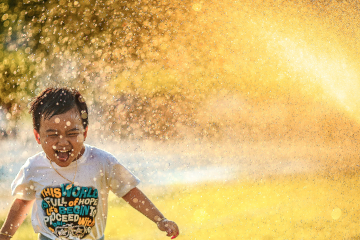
{"x":322,"y":206}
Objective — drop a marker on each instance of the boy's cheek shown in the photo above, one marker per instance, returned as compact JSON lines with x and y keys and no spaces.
{"x":80,"y":138}
{"x":45,"y":142}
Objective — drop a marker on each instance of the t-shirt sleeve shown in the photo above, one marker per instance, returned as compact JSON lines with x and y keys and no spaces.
{"x":22,"y":186}
{"x":121,"y":180}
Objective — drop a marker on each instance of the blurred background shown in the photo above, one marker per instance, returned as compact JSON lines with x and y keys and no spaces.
{"x":241,"y":118}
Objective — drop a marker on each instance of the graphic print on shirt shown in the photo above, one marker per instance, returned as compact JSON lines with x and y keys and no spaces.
{"x":69,"y":212}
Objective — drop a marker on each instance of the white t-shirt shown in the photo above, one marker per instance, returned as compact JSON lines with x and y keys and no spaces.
{"x":78,"y":213}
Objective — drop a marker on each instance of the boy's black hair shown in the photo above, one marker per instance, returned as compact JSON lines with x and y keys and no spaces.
{"x":55,"y":101}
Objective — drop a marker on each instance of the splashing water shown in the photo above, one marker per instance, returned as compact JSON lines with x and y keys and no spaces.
{"x":264,"y":81}
{"x":183,"y":54}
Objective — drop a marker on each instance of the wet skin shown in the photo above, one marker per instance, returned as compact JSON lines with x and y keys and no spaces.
{"x":62,"y":137}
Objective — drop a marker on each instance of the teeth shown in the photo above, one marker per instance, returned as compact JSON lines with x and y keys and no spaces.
{"x":62,"y":151}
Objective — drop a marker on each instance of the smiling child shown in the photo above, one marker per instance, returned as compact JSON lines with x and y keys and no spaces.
{"x":68,"y":183}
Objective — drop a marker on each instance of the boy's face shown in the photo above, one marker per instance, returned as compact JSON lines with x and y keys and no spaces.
{"x":62,"y":137}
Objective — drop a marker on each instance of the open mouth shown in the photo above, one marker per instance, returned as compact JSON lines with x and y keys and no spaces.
{"x":63,"y":155}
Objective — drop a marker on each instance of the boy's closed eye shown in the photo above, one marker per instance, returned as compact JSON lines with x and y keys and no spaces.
{"x":73,"y":134}
{"x":52,"y":135}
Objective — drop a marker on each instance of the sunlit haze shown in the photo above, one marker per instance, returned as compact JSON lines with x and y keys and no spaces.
{"x":245,"y":113}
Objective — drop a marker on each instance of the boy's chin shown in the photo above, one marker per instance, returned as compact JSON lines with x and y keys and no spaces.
{"x":63,"y":163}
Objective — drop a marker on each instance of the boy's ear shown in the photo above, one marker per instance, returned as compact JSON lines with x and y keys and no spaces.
{"x":85,"y":132}
{"x":37,"y":136}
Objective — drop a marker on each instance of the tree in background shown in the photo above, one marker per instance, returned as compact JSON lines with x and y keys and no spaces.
{"x":150,"y":69}
{"x":87,"y":45}
{"x":17,"y":70}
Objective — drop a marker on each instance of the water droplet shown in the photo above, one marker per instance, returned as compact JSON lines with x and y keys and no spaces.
{"x":68,"y":123}
{"x":57,"y":120}
{"x":84,"y":115}
{"x":336,"y":213}
{"x":81,"y":99}
{"x":196,"y":7}
{"x":135,"y":200}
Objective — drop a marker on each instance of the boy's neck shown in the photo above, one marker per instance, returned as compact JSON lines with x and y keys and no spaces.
{"x":80,"y":154}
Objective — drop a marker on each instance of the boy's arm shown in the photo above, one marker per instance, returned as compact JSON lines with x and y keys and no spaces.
{"x":140,"y":202}
{"x":17,"y":214}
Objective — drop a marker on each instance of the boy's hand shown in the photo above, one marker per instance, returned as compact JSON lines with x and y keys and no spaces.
{"x":168,"y":226}
{"x":3,"y":237}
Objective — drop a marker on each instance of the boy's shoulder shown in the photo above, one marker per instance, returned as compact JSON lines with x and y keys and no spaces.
{"x":97,"y":153}
{"x":37,"y":159}
{"x":36,"y":162}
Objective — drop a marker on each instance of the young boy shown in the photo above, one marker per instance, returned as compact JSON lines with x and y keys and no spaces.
{"x":68,"y":183}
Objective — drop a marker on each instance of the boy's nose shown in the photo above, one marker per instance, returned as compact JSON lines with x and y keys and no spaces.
{"x":63,"y":141}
